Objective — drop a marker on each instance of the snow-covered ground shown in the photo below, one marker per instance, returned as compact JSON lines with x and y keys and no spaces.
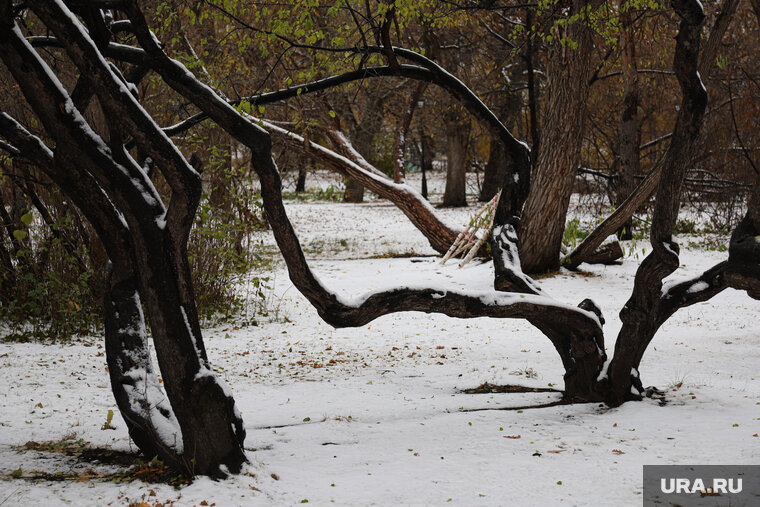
{"x":376,"y":415}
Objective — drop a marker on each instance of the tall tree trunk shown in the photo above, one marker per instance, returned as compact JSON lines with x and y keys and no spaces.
{"x":561,"y":138}
{"x":630,"y":132}
{"x":426,"y":160}
{"x":129,"y":215}
{"x":455,"y":193}
{"x":625,"y":209}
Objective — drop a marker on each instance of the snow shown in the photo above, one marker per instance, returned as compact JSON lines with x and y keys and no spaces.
{"x":145,"y":386}
{"x":698,"y":287}
{"x":384,"y":403}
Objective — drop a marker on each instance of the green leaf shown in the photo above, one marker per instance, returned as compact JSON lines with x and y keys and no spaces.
{"x":17,"y":473}
{"x":19,"y":234}
{"x":332,"y":113}
{"x":27,"y":218}
{"x":306,"y":419}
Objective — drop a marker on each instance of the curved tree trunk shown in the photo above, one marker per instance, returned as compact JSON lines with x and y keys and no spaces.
{"x":643,"y":313}
{"x":139,"y":396}
{"x":626,"y":208}
{"x":130,"y":216}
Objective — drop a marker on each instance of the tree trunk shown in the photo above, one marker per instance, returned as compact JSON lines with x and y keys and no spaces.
{"x":496,"y":169}
{"x":630,"y":132}
{"x":301,"y":181}
{"x":212,"y":429}
{"x":354,"y":191}
{"x":426,"y":160}
{"x":561,"y":138}
{"x":626,"y":208}
{"x":141,"y":401}
{"x":361,"y":132}
{"x":455,"y":194}
{"x":643,"y":313}
{"x":121,"y":202}
{"x":399,"y":145}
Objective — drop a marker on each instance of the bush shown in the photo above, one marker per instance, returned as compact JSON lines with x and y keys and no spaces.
{"x":51,"y":293}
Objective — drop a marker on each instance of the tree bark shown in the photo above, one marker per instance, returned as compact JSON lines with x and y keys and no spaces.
{"x":575,"y":332}
{"x":211,"y":428}
{"x":495,"y":172}
{"x":561,"y":137}
{"x":352,"y":165}
{"x":301,"y":181}
{"x":141,"y":401}
{"x":455,"y":194}
{"x":625,"y":210}
{"x":630,"y":131}
{"x":642,"y":314}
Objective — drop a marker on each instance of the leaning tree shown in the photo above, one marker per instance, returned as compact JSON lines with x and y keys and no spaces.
{"x":193,"y":423}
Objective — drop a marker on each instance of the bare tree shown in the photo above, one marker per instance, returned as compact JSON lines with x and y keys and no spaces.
{"x":146,"y":240}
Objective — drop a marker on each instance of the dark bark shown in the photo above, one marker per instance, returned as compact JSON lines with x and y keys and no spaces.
{"x":630,"y":130}
{"x":157,"y":236}
{"x":301,"y":181}
{"x":354,"y":191}
{"x":89,"y":197}
{"x":426,"y":162}
{"x":607,"y":253}
{"x":493,"y":176}
{"x":711,"y":46}
{"x":141,"y":401}
{"x":643,"y":313}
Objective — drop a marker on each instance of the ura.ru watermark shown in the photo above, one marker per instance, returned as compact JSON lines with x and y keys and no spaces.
{"x":701,"y":485}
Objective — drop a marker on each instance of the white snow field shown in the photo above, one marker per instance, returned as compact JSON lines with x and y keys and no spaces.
{"x":376,"y":415}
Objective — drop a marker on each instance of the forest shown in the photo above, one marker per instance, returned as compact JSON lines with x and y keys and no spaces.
{"x":201,"y":200}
